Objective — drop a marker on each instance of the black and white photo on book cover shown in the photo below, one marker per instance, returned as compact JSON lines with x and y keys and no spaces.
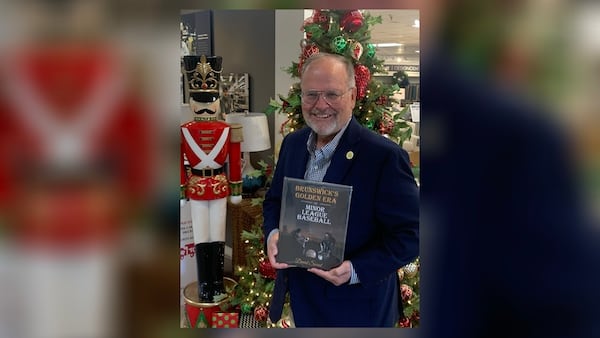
{"x":313,"y":223}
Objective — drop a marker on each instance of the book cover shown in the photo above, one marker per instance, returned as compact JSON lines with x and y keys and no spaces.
{"x":313,"y":223}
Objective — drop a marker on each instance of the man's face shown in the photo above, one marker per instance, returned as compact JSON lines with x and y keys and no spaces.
{"x":327,"y":101}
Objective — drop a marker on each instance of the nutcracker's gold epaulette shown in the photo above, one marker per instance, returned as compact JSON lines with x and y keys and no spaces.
{"x":237,"y":135}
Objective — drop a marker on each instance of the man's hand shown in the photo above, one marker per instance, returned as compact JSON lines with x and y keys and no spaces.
{"x":272,"y":251}
{"x":337,"y":276}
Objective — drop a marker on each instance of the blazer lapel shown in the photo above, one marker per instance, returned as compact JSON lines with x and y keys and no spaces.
{"x":345,"y":154}
{"x":300,"y":159}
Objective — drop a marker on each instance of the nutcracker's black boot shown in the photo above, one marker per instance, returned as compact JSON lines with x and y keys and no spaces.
{"x":217,"y":259}
{"x":205,"y":287}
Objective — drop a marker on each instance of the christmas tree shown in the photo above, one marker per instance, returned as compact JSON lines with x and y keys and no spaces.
{"x":256,"y":278}
{"x":347,"y":32}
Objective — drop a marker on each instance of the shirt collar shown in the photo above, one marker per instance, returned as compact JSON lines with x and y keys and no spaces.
{"x":329,"y":148}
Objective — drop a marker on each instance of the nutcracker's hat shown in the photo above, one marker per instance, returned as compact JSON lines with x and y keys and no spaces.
{"x":202,"y":76}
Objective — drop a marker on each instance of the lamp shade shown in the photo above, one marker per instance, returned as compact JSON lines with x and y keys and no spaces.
{"x":255,"y":130}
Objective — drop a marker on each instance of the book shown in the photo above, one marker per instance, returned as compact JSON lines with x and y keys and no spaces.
{"x":313,"y":223}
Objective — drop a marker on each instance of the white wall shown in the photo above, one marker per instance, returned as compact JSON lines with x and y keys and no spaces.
{"x":288,"y":33}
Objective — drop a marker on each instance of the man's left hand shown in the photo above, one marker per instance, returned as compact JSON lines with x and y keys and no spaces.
{"x":337,"y":276}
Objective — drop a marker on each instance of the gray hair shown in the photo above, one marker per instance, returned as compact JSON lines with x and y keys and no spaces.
{"x":340,"y":58}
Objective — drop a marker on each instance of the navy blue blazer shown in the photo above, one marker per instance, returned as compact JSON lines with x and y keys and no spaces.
{"x":383,"y":229}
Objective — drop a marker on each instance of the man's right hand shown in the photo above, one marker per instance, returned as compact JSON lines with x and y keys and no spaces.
{"x":272,"y":251}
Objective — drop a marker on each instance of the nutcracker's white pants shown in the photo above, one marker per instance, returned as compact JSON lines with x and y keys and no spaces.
{"x":208,"y":220}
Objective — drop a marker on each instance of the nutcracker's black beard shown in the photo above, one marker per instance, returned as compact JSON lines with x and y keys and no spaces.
{"x":205,"y":111}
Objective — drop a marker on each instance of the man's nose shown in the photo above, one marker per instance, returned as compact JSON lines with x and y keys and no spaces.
{"x":321,"y":102}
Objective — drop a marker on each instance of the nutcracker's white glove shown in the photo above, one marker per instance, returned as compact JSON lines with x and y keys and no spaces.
{"x":235,"y":199}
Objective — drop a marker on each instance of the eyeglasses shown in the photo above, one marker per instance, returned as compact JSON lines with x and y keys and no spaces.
{"x":331,"y":97}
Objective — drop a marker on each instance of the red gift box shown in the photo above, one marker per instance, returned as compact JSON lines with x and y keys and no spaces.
{"x":225,"y":320}
{"x":199,"y":317}
{"x":199,"y":314}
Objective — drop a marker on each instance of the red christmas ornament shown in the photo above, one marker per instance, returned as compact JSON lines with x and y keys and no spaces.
{"x":362,"y":77}
{"x":322,"y":19}
{"x":320,"y":16}
{"x":268,"y":173}
{"x":415,"y":317}
{"x":261,"y":313}
{"x":266,"y":269}
{"x":386,"y":124}
{"x":352,"y":21}
{"x":404,"y":322}
{"x":382,"y":100}
{"x":307,"y":51}
{"x":406,"y":292}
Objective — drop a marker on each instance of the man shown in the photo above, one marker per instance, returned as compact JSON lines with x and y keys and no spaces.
{"x":383,"y":222}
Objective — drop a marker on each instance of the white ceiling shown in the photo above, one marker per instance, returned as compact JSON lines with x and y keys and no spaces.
{"x":396,"y":27}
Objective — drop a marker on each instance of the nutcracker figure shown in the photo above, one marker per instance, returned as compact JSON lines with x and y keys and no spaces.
{"x":209,"y":146}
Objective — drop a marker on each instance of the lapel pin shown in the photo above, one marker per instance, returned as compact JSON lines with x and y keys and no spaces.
{"x":349,"y":155}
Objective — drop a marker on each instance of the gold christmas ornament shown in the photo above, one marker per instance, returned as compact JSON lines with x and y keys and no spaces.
{"x":400,"y":274}
{"x":410,"y":270}
{"x":356,"y":49}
